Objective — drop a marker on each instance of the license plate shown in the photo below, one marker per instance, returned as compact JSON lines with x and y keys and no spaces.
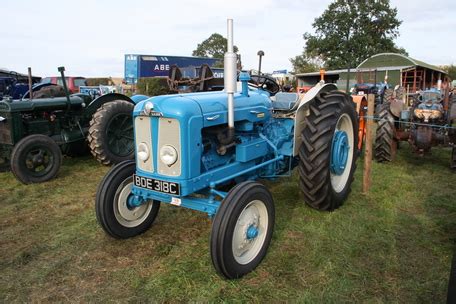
{"x":156,"y":185}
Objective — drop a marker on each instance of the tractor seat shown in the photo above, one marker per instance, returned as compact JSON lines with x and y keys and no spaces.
{"x":285,"y":101}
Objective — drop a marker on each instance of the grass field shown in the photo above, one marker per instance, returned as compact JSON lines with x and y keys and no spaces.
{"x":393,"y":245}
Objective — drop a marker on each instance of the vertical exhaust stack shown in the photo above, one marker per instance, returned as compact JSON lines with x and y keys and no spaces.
{"x":230,"y":80}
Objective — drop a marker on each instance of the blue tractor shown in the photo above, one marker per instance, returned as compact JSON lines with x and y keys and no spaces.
{"x":191,"y":148}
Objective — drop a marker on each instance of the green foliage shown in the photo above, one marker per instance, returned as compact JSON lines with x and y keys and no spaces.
{"x":350,"y":31}
{"x":304,"y":64}
{"x":99,"y":81}
{"x":451,"y":70}
{"x":215,"y":47}
{"x":152,"y":86}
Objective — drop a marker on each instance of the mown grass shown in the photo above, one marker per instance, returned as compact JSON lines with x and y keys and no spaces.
{"x":392,"y":245}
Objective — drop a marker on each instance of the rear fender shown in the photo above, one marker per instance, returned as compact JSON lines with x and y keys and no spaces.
{"x":98,"y":102}
{"x":303,"y":111}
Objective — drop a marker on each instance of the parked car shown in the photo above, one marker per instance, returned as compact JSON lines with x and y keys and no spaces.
{"x":73,"y":83}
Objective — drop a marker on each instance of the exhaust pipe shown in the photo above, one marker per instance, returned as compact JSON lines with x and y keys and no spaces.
{"x":230,"y":81}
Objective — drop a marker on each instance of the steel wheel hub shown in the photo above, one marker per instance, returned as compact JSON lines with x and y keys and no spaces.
{"x":342,"y":149}
{"x":339,"y":152}
{"x":125,"y":211}
{"x":38,"y":161}
{"x":250,"y":232}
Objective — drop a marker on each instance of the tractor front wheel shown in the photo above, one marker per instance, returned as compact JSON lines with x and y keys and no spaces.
{"x":36,"y":159}
{"x":328,"y":153}
{"x":111,"y":132}
{"x":242,"y":229}
{"x":385,"y":142}
{"x":115,"y":205}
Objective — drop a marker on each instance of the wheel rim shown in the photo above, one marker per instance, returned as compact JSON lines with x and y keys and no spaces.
{"x":38,"y":161}
{"x":342,"y":152}
{"x":129,"y":216}
{"x":119,"y":134}
{"x":250,"y":232}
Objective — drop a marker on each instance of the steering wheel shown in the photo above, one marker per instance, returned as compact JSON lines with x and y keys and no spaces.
{"x":265,"y":83}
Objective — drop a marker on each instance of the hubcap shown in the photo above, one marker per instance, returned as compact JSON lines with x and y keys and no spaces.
{"x":250,"y":232}
{"x":342,"y":148}
{"x":339,"y":152}
{"x":125,"y":211}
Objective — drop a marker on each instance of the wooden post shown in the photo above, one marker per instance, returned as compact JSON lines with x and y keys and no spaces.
{"x":424,"y":79}
{"x":30,"y":83}
{"x":368,"y":147}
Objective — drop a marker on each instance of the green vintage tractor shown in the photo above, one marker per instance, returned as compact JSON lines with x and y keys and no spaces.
{"x":34,"y":134}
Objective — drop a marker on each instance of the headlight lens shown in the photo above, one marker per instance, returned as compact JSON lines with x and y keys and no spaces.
{"x":148,"y":107}
{"x":143,"y":152}
{"x":168,"y":155}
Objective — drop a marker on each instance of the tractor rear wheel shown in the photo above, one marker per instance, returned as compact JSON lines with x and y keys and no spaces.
{"x":114,"y":204}
{"x":328,"y":153}
{"x":388,"y":96}
{"x":242,"y":229}
{"x":385,"y":142}
{"x":111,"y":133}
{"x":400,"y":91}
{"x":35,"y":159}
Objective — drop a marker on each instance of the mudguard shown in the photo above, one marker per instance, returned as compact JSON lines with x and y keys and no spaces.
{"x":302,"y":111}
{"x":98,"y":102}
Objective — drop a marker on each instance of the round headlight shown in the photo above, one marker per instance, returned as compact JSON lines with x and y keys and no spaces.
{"x":168,"y":155}
{"x":143,"y":152}
{"x":148,"y":107}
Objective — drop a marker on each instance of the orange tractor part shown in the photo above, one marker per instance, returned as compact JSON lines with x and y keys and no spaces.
{"x":361,"y":109}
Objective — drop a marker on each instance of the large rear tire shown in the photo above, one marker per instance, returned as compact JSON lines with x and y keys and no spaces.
{"x":327,"y":156}
{"x":36,"y":159}
{"x":385,"y":142}
{"x":114,"y":213}
{"x":111,"y":133}
{"x":242,"y":230}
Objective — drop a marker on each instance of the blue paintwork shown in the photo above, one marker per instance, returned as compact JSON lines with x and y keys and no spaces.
{"x":264,"y":145}
{"x":371,"y":88}
{"x":10,"y":87}
{"x":137,"y":98}
{"x":252,"y":232}
{"x":137,"y":66}
{"x":134,"y":201}
{"x":244,"y":77}
{"x":251,"y":150}
{"x":405,"y":114}
{"x":339,"y":152}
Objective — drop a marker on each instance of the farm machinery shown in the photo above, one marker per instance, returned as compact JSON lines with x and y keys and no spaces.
{"x":191,"y":148}
{"x":425,"y":119}
{"x":14,"y":85}
{"x":35,"y":133}
{"x":203,"y":83}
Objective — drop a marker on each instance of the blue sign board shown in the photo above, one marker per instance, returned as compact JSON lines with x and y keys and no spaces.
{"x":137,"y":66}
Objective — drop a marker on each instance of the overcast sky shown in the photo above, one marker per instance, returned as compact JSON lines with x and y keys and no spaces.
{"x":90,"y":38}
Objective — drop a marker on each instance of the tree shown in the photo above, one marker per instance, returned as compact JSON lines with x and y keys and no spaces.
{"x":451,"y":70}
{"x":152,"y":86}
{"x":215,"y":47}
{"x":304,"y":64}
{"x":350,"y":31}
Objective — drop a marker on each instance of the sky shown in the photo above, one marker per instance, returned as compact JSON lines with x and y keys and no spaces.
{"x":90,"y":38}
